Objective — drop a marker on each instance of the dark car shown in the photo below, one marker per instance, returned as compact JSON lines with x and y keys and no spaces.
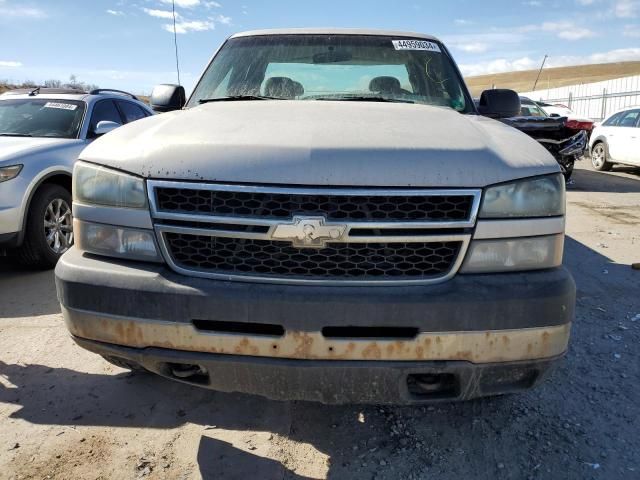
{"x":566,"y":139}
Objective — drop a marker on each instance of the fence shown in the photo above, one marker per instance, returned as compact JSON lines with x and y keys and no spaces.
{"x":594,"y":100}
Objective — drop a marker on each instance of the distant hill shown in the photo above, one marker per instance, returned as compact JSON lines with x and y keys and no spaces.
{"x":552,"y":77}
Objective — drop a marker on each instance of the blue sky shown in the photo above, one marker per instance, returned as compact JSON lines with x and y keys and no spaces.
{"x":128,"y":44}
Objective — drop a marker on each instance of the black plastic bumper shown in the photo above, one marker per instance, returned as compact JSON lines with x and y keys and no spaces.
{"x":337,"y":382}
{"x":464,"y":303}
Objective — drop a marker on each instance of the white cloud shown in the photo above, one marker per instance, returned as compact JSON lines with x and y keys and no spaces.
{"x":190,"y":26}
{"x":462,"y":21}
{"x":631,"y":31}
{"x":8,"y":11}
{"x":183,"y":3}
{"x":475,"y":47}
{"x":626,"y":8}
{"x":584,"y":3}
{"x":116,"y":13}
{"x":224,"y":20}
{"x":532,"y":3}
{"x":10,"y":64}
{"x":212,"y":4}
{"x":567,"y":30}
{"x":497,"y":66}
{"x":482,"y":42}
{"x":500,"y":65}
{"x":167,"y":14}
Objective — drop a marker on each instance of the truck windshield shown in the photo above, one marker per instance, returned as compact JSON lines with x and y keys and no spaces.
{"x":40,"y":117}
{"x":333,"y":67}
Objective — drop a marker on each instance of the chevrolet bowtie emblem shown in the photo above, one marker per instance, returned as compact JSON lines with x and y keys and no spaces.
{"x":308,"y":232}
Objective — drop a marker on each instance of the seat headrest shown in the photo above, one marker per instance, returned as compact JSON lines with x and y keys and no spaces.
{"x":385,"y":85}
{"x":283,"y":87}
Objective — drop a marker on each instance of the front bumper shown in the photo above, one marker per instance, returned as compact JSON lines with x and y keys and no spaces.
{"x":463,"y":327}
{"x":338,"y":381}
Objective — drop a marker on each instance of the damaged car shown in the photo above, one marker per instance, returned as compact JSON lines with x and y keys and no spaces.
{"x":565,"y":138}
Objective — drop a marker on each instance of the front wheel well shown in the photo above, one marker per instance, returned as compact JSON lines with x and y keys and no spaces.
{"x":62,"y":179}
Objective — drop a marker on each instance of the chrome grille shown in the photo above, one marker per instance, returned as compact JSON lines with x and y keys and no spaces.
{"x":357,"y":236}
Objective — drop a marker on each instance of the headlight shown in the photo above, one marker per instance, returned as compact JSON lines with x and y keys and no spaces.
{"x":534,"y":197}
{"x":7,"y":173}
{"x":123,"y":242}
{"x":516,"y":254}
{"x":93,"y":184}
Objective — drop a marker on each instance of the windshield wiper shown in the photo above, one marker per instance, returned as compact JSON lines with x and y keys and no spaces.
{"x":365,"y":99}
{"x":15,"y":135}
{"x":232,"y":98}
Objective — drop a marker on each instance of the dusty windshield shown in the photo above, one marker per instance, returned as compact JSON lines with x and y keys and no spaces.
{"x":40,"y":117}
{"x":333,"y":67}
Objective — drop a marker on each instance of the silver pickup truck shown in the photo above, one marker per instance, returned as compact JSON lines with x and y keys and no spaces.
{"x":329,"y":217}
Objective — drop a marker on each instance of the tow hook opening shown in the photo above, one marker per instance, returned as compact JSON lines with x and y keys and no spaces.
{"x":425,"y":386}
{"x":188,"y":372}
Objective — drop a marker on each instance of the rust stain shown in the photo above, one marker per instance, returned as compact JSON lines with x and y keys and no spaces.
{"x":465,"y":355}
{"x":372,"y":351}
{"x":305,"y":344}
{"x":483,"y":346}
{"x":242,"y":346}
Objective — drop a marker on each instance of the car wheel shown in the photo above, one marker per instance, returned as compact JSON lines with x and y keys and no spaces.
{"x":599,"y":158}
{"x":49,"y":230}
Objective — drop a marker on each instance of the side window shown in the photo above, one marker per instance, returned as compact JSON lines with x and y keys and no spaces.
{"x":130,"y":111}
{"x":612,"y":121}
{"x":629,"y":119}
{"x":103,"y":110}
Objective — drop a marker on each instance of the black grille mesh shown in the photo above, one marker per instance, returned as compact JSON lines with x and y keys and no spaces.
{"x":339,"y":260}
{"x":333,"y":207}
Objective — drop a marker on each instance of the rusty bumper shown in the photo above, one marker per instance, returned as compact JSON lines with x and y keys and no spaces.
{"x":472,"y":319}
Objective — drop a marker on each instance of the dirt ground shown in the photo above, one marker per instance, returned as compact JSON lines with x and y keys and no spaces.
{"x":67,"y":414}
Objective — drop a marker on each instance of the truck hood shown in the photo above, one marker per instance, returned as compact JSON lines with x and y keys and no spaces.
{"x":323,"y":143}
{"x":17,"y":148}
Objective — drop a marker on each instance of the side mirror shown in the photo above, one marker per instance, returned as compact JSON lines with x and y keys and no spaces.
{"x":105,"y":126}
{"x":499,"y":103}
{"x":555,"y":115}
{"x":167,"y":97}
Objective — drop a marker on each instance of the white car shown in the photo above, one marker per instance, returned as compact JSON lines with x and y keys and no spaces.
{"x":329,"y":218}
{"x":42,"y":132}
{"x":616,"y":140}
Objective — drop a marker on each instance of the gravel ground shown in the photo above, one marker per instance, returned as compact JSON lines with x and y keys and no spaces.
{"x":66,"y":414}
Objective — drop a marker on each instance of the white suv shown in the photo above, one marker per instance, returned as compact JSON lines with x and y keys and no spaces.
{"x":42,"y":132}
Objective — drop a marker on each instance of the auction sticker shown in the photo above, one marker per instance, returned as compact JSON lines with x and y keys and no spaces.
{"x":416,"y":45}
{"x":62,"y":106}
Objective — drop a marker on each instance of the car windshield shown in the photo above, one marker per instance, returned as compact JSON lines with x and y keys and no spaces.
{"x":334,"y":67}
{"x":40,"y":117}
{"x":530,"y":109}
